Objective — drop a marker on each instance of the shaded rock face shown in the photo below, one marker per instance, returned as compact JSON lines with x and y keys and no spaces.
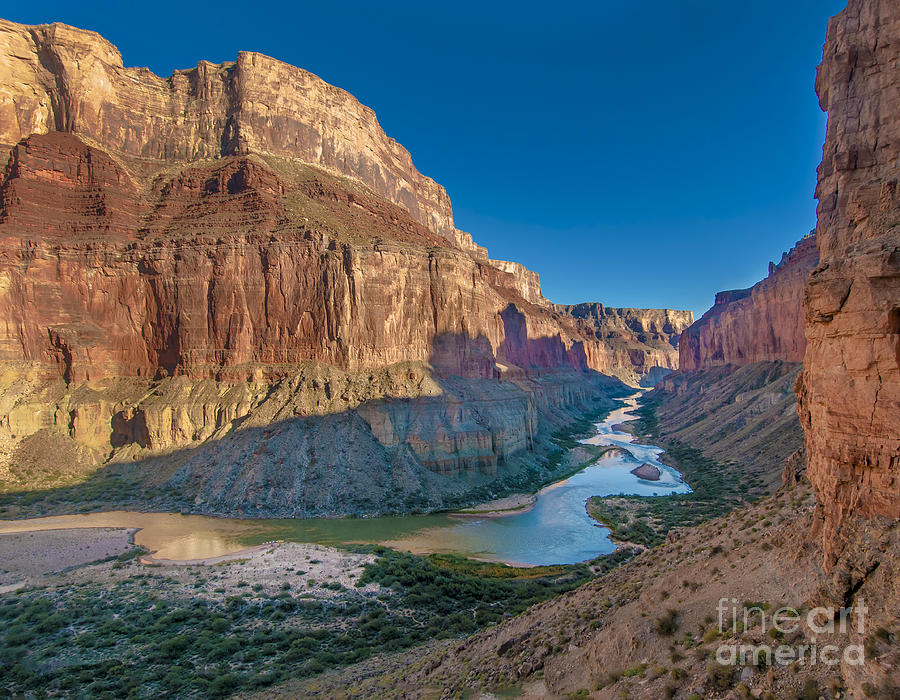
{"x":762,"y":324}
{"x":849,"y":396}
{"x":645,"y":339}
{"x":186,"y":261}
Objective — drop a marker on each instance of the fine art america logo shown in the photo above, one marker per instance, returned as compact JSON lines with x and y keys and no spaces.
{"x":787,"y":622}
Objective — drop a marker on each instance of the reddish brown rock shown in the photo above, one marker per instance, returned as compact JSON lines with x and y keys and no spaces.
{"x":56,"y":77}
{"x":231,"y":268}
{"x":762,"y":324}
{"x":241,"y":243}
{"x":849,"y":396}
{"x":645,"y":339}
{"x":647,"y":472}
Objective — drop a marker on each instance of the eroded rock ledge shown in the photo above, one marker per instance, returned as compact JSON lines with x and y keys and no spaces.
{"x":185,"y":260}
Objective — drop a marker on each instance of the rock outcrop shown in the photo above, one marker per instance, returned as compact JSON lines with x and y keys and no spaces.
{"x":647,"y":472}
{"x":761,"y":324}
{"x":184,"y":259}
{"x":849,"y":396}
{"x":59,"y":78}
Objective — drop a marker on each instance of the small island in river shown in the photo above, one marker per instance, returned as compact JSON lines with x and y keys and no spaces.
{"x":647,"y":472}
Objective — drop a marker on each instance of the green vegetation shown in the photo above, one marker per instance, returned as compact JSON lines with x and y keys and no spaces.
{"x":143,"y":636}
{"x":719,"y":675}
{"x":97,"y":492}
{"x":458,"y":602}
{"x":646,"y":520}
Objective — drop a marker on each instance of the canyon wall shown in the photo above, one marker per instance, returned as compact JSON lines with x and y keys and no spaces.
{"x":184,"y":261}
{"x":657,"y":332}
{"x":143,"y":319}
{"x":59,"y":78}
{"x":761,"y":324}
{"x":849,"y":396}
{"x":234,"y":268}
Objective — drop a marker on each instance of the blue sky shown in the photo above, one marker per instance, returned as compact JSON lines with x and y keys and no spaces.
{"x":635,"y":153}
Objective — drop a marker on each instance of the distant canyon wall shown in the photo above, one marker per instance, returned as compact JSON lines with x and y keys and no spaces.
{"x":658,"y":332}
{"x":764,"y":323}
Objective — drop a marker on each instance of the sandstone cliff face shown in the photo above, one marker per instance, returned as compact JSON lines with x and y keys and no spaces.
{"x":183,"y":259}
{"x":232,"y":270}
{"x":850,"y":393}
{"x":57,"y":77}
{"x":642,"y":338}
{"x":761,"y":324}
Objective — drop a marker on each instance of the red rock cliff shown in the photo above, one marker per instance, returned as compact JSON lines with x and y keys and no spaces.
{"x":174,"y":253}
{"x":850,"y":394}
{"x":222,"y":247}
{"x":57,"y":77}
{"x":761,"y":324}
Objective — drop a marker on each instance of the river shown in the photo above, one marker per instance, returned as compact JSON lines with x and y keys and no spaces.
{"x":556,"y":530}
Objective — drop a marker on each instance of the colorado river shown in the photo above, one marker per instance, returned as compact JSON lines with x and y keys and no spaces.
{"x":556,"y":530}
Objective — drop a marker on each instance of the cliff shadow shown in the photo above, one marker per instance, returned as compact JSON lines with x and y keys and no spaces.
{"x":485,"y":431}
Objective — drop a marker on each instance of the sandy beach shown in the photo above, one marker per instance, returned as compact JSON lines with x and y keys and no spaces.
{"x":510,"y":505}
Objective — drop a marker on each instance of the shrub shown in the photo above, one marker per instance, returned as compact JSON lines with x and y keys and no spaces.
{"x":635,"y":671}
{"x":810,"y":690}
{"x":224,"y":685}
{"x":175,"y":645}
{"x":667,"y":625}
{"x":719,"y":676}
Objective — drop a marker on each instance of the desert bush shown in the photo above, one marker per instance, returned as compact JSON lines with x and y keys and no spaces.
{"x":667,"y":624}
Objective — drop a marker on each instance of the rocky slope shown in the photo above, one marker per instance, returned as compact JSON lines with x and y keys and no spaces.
{"x":850,"y":394}
{"x":185,"y":260}
{"x":740,"y":415}
{"x":760,"y":324}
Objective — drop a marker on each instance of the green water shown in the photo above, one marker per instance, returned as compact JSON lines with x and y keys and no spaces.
{"x":556,"y":530}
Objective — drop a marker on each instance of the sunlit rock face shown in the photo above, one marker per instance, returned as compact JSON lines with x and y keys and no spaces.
{"x":240,"y":245}
{"x":850,"y":392}
{"x":762,"y":324}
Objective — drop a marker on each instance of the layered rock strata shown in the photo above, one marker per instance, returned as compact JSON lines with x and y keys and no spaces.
{"x":761,"y":324}
{"x":642,"y":338}
{"x":184,"y":259}
{"x":850,"y":394}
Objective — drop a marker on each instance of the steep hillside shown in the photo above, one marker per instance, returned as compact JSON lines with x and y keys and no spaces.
{"x":745,"y":416}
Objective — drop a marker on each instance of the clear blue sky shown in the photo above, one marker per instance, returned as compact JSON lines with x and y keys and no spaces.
{"x":635,"y":153}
